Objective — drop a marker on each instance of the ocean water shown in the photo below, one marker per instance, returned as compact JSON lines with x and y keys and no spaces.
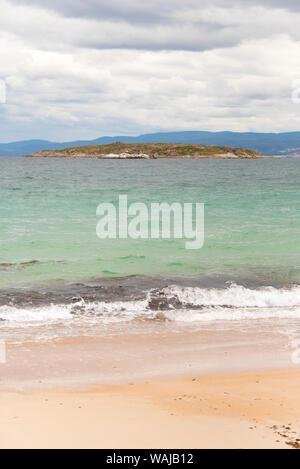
{"x":57,"y":278}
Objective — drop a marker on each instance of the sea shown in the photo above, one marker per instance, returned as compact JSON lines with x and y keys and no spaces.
{"x":59,"y":280}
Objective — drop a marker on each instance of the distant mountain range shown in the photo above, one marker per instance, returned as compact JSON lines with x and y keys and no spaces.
{"x":285,"y":144}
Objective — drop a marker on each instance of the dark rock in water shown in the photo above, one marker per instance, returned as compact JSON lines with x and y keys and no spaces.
{"x":159,"y":301}
{"x":76,"y":299}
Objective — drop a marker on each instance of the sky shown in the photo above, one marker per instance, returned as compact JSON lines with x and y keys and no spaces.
{"x":82,"y":69}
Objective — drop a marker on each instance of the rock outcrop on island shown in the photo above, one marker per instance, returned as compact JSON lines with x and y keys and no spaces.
{"x":149,"y":151}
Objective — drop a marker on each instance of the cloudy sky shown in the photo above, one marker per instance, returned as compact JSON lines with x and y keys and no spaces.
{"x":88,"y":68}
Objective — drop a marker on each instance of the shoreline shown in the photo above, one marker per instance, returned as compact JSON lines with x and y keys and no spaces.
{"x":116,"y":360}
{"x":199,"y":157}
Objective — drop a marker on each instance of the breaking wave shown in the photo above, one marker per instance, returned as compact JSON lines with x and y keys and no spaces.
{"x":171,"y":303}
{"x":235,"y":296}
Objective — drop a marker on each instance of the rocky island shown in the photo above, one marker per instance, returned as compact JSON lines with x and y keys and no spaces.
{"x":148,"y":151}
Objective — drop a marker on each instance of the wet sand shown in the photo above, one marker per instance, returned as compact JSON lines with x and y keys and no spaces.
{"x":83,"y":362}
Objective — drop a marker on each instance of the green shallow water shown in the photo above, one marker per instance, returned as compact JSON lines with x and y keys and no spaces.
{"x":48,"y":215}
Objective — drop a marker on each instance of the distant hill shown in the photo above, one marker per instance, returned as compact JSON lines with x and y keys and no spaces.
{"x":148,"y":151}
{"x":285,"y":144}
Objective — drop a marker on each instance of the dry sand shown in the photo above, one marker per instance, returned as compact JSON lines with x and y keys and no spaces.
{"x":173,"y":391}
{"x":251,"y":410}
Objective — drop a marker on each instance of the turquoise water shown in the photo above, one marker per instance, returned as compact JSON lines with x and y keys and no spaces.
{"x":48,"y":219}
{"x":58,"y":279}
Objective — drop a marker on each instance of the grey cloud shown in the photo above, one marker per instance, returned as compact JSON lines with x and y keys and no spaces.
{"x":112,"y":67}
{"x":131,"y":11}
{"x":151,"y":25}
{"x":284,"y":4}
{"x":135,"y":11}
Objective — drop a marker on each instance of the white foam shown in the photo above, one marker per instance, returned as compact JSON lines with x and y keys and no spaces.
{"x":198,"y":305}
{"x":41,"y":314}
{"x":236,"y":314}
{"x":235,"y":296}
{"x":52,"y":313}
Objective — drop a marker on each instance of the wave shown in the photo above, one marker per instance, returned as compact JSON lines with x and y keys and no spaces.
{"x":8,"y":265}
{"x":234,"y":296}
{"x":132,"y":257}
{"x":22,"y":265}
{"x":171,"y":303}
{"x":115,"y":311}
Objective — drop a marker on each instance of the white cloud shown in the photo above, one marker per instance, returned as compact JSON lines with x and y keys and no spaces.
{"x":208,"y":68}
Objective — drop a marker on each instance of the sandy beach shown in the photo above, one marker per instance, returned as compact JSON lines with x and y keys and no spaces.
{"x":60,"y":394}
{"x":252,"y":410}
